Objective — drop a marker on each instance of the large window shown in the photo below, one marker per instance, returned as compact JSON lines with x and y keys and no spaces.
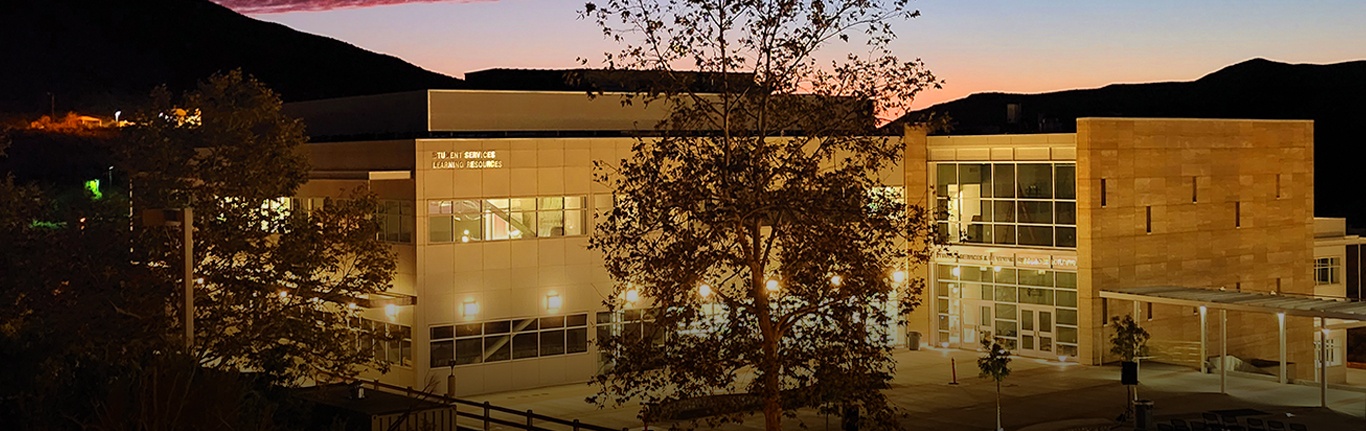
{"x":504,"y":340}
{"x":501,"y":219}
{"x":395,"y":221}
{"x":386,"y":342}
{"x":999,"y":292}
{"x":1030,"y":204}
{"x":1327,"y":270}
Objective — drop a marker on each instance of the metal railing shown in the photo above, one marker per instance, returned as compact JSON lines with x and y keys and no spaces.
{"x":483,"y":413}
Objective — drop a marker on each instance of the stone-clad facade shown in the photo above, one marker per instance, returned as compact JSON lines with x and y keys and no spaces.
{"x":1158,"y":202}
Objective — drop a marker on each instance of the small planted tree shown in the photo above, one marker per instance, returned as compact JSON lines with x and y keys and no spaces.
{"x":995,"y":363}
{"x":1130,"y":341}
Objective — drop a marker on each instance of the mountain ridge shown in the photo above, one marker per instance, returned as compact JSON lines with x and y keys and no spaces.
{"x":1333,"y":95}
{"x":94,"y":55}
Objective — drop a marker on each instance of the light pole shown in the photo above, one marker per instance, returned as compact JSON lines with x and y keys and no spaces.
{"x":158,"y":217}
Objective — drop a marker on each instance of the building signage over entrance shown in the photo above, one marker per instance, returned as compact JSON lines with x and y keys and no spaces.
{"x":466,"y":160}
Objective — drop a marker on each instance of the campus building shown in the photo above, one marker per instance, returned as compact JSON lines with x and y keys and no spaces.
{"x":489,"y":202}
{"x":1050,"y":235}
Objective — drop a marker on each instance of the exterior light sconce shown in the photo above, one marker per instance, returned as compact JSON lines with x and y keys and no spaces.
{"x":470,"y":307}
{"x":944,"y":344}
{"x":836,"y":280}
{"x":704,"y":291}
{"x":284,"y":294}
{"x":1062,"y":358}
{"x":632,"y":295}
{"x":900,"y":276}
{"x":771,"y":285}
{"x":553,"y":301}
{"x":351,"y":305}
{"x":391,"y":310}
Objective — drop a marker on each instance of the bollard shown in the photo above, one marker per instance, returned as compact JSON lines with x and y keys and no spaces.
{"x":953,"y":364}
{"x":576,"y":425}
{"x":528,"y":420}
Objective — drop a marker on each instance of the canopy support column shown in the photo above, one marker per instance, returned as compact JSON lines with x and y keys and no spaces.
{"x":1323,"y":364}
{"x":1204,"y":335}
{"x":1223,"y":351}
{"x":1280,"y":317}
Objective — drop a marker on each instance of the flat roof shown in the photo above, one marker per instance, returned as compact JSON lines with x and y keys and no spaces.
{"x":1257,"y":302}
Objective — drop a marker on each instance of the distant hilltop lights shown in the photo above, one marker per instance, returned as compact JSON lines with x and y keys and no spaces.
{"x":466,"y":160}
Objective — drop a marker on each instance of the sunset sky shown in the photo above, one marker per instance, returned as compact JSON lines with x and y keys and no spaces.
{"x":976,"y":46}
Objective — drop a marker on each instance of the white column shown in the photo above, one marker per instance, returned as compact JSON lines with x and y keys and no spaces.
{"x":1223,"y":351}
{"x":1323,"y":364}
{"x":1280,"y":317}
{"x":1204,"y":335}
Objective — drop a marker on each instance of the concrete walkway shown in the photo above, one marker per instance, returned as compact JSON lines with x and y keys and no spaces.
{"x":1038,"y":395}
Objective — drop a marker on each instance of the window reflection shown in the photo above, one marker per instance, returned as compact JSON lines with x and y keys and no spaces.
{"x":1006,"y":203}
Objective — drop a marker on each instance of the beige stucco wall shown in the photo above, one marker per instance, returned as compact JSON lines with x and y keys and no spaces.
{"x":1151,"y":163}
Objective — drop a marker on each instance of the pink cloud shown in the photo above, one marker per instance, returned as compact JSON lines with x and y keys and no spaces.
{"x":282,"y":6}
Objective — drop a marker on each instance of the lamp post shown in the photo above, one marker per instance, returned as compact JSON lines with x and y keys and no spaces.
{"x":157,"y":217}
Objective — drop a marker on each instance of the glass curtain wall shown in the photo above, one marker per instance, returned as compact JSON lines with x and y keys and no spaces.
{"x":1027,"y":204}
{"x":981,"y":301}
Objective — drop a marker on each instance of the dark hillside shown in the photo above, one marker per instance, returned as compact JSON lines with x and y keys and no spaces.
{"x":93,"y":54}
{"x":1333,"y":95}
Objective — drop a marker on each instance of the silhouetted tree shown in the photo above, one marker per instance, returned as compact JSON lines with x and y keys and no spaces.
{"x":755,"y":225}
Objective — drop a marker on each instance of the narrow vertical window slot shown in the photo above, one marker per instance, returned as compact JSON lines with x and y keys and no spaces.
{"x":1278,"y":285}
{"x":1102,"y":192}
{"x":1237,"y":214}
{"x":1150,"y":219}
{"x":1278,"y":186}
{"x":1150,"y":311}
{"x":1195,"y":189}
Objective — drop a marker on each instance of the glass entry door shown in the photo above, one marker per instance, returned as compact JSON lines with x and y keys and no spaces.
{"x":1036,"y":331}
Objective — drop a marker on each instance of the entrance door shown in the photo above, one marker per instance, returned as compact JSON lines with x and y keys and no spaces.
{"x":1036,"y":332}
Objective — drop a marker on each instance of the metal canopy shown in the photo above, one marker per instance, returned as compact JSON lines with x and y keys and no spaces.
{"x":1257,"y":302}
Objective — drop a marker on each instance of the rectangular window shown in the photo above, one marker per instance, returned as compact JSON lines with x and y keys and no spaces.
{"x":387,"y":342}
{"x":1149,"y":218}
{"x":1102,"y":193}
{"x":1327,"y":270}
{"x":512,"y":218}
{"x":1150,"y":311}
{"x":395,"y":221}
{"x":504,"y":340}
{"x":1237,"y":214}
{"x":1195,"y":189}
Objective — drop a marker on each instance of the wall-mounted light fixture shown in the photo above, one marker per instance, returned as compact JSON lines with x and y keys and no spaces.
{"x":391,"y":310}
{"x":900,"y":276}
{"x":632,"y":295}
{"x":704,"y":290}
{"x":553,"y":301}
{"x":835,"y":280}
{"x":470,"y":307}
{"x":771,"y":285}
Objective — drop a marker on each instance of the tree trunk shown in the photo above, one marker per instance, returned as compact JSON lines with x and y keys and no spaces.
{"x":998,"y":405}
{"x":769,"y":365}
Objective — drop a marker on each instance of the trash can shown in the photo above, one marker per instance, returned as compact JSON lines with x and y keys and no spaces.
{"x":913,"y":340}
{"x":1143,"y":412}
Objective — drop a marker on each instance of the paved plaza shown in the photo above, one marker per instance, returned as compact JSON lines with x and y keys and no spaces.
{"x":1038,"y":396}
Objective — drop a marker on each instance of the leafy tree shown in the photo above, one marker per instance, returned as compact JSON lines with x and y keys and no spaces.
{"x":275,"y":281}
{"x":995,"y":363}
{"x":754,"y":224}
{"x":1130,"y":341}
{"x":91,"y":315}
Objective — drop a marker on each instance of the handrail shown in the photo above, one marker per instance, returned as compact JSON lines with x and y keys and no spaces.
{"x":488,"y":408}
